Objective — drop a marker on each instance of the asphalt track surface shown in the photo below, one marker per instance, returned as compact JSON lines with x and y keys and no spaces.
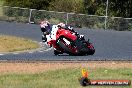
{"x":109,"y":45}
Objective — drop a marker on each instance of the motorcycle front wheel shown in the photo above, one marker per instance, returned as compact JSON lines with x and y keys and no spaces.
{"x":91,"y":49}
{"x":56,"y":52}
{"x":65,"y":44}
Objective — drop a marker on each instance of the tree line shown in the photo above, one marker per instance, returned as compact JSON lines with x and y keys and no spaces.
{"x":116,"y":8}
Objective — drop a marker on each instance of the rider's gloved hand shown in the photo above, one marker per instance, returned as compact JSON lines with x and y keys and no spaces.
{"x":82,"y":37}
{"x":76,"y":34}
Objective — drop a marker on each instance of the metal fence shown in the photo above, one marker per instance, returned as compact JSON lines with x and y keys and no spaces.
{"x":25,"y":15}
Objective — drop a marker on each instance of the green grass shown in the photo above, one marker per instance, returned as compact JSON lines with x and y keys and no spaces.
{"x":1,"y":10}
{"x":65,"y":78}
{"x":1,"y":2}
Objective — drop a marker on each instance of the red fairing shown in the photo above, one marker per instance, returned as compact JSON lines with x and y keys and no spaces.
{"x":68,"y":34}
{"x":90,"y":46}
{"x":53,"y":43}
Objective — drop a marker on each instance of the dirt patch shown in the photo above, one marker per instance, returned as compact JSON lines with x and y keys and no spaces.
{"x":15,"y":67}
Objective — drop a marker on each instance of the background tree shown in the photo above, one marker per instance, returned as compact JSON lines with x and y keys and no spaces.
{"x":120,"y":8}
{"x":89,"y":6}
{"x":34,"y":4}
{"x":76,"y":6}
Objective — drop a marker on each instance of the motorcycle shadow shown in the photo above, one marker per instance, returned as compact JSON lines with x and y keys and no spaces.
{"x":70,"y":55}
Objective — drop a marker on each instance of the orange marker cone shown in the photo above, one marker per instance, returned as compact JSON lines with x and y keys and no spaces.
{"x":84,"y":73}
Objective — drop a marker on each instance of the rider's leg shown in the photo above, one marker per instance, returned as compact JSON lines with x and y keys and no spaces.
{"x":44,"y":39}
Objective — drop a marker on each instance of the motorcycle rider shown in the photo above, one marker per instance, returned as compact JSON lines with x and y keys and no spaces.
{"x":49,"y":36}
{"x":45,"y":27}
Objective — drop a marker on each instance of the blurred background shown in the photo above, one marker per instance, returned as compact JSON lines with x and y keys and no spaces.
{"x":93,"y":14}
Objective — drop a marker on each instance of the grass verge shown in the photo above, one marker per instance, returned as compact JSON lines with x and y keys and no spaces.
{"x":11,"y":44}
{"x":1,"y":10}
{"x":1,"y":2}
{"x":62,"y":78}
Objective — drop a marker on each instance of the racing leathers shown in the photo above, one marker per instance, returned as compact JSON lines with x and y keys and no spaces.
{"x":45,"y":27}
{"x":49,"y":31}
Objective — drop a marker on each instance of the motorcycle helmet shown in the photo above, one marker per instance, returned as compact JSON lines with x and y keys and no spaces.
{"x":45,"y":26}
{"x":61,"y":25}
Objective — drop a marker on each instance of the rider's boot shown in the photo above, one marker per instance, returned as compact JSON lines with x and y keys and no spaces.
{"x":44,"y":39}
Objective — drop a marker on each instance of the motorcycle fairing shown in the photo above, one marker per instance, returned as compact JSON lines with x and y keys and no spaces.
{"x":66,"y":33}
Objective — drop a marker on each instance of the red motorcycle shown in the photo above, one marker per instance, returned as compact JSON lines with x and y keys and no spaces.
{"x":69,"y":42}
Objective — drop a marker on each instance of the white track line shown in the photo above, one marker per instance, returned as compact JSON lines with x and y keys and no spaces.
{"x":49,"y":49}
{"x":30,"y":52}
{"x":40,"y":51}
{"x":1,"y":54}
{"x":15,"y":53}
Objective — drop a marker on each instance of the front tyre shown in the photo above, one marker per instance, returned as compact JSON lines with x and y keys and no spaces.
{"x":67,"y":46}
{"x":91,"y":49}
{"x":56,"y":52}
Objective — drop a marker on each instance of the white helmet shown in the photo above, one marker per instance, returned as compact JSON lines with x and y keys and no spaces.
{"x":61,"y":24}
{"x":43,"y":24}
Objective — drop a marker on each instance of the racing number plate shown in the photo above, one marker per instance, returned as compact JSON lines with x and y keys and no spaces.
{"x":66,"y":41}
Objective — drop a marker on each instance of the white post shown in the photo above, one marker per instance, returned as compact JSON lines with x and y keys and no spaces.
{"x":106,"y":14}
{"x":29,"y":20}
{"x":67,"y":18}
